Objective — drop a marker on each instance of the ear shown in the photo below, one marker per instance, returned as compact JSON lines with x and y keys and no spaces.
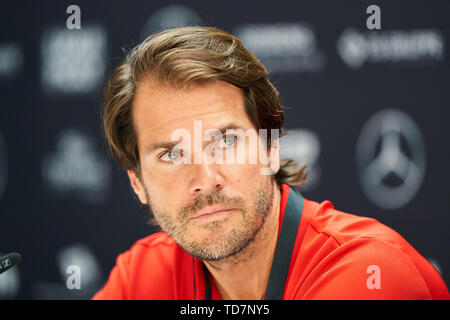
{"x":137,"y":186}
{"x":274,"y":156}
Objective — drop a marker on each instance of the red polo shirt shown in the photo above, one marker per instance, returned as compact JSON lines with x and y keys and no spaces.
{"x":336,"y":256}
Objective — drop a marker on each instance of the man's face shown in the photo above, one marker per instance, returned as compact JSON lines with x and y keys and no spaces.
{"x":212,"y":210}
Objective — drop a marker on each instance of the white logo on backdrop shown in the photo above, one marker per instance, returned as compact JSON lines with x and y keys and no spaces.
{"x":282,"y":47}
{"x":76,"y":167}
{"x":303,"y":146}
{"x":73,"y":61}
{"x":394,"y":46}
{"x":391,"y":159}
{"x":80,"y":276}
{"x":11,"y":60}
{"x":171,"y":16}
{"x":82,"y":257}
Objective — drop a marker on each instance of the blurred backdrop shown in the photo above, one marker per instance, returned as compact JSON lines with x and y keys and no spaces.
{"x":369,"y":111}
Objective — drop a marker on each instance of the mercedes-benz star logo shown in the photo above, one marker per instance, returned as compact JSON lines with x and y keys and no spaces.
{"x":391,"y":159}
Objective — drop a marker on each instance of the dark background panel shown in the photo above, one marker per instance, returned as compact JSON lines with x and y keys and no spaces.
{"x":88,"y":219}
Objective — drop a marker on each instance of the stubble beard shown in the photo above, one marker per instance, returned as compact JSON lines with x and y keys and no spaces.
{"x":221,"y":247}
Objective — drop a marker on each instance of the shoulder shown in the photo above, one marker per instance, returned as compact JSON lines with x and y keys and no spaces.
{"x":145,"y":270}
{"x":157,"y":245}
{"x":344,"y":227}
{"x":360,"y":258}
{"x":159,"y":241}
{"x":366,"y":268}
{"x":157,"y":252}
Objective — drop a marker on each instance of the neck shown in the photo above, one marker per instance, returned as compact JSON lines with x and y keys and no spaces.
{"x":252,"y":265}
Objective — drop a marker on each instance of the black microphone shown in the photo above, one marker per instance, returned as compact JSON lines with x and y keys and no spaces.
{"x":9,"y":260}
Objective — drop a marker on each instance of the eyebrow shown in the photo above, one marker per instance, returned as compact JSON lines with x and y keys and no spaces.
{"x":162,"y":145}
{"x":171,"y":144}
{"x":231,"y":125}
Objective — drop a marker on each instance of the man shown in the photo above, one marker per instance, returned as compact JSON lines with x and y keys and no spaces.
{"x":178,"y":115}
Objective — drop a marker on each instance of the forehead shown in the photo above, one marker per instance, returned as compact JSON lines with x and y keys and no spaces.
{"x":159,"y":110}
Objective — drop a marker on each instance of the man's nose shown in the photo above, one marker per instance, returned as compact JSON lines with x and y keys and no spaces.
{"x":205,"y":179}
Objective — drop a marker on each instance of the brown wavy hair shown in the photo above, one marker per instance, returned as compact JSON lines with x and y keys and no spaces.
{"x":186,"y":56}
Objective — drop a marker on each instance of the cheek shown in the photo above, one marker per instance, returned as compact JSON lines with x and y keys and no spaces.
{"x":156,"y":185}
{"x":244,"y":174}
{"x":163,"y":189}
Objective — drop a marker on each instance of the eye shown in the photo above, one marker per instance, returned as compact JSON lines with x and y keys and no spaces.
{"x":172,"y":155}
{"x":229,"y":140}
